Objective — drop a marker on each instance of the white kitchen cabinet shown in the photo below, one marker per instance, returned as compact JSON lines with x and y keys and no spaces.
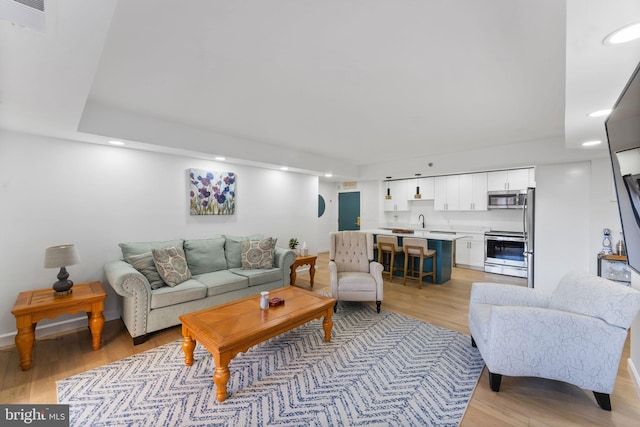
{"x":473,"y":192}
{"x":470,"y":251}
{"x":447,"y":193}
{"x":427,"y":188}
{"x":514,"y":179}
{"x":398,"y":200}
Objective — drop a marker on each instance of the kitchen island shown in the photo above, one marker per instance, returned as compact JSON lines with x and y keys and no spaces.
{"x":442,"y":242}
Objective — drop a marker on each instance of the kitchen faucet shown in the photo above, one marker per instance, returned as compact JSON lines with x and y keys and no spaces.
{"x":421,"y":216}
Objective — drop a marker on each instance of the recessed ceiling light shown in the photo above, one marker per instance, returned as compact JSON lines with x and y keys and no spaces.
{"x":591,"y":143}
{"x":221,"y":159}
{"x":118,"y":143}
{"x":284,"y":168}
{"x":600,"y":113}
{"x":328,"y":175}
{"x":623,"y":35}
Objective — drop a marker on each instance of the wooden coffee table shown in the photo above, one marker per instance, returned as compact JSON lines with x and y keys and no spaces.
{"x":232,"y":328}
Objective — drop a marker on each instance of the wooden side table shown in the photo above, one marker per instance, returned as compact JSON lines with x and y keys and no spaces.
{"x":304,"y":260}
{"x":33,"y":306}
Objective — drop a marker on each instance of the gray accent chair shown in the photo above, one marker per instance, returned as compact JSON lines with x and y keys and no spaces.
{"x":354,"y":275}
{"x":574,"y":334}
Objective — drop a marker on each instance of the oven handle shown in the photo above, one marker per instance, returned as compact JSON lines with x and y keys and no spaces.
{"x":504,"y":239}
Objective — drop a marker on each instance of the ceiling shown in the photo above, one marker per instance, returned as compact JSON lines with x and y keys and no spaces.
{"x":319,"y":86}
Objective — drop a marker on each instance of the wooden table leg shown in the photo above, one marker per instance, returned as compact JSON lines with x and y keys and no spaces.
{"x":327,"y":324}
{"x":24,"y":341}
{"x":221,"y":375}
{"x":312,"y":272}
{"x":188,"y":345}
{"x":293,"y":275}
{"x":96,"y":323}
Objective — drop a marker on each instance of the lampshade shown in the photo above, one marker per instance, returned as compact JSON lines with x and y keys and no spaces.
{"x":61,"y":256}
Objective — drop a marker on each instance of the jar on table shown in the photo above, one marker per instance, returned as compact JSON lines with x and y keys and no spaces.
{"x":264,"y":300}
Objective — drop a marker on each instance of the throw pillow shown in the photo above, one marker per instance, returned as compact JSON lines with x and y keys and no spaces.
{"x":233,"y":249}
{"x":138,"y":248}
{"x":205,"y":255}
{"x":257,"y":253}
{"x":172,"y":265}
{"x":145,"y":265}
{"x":273,"y":246}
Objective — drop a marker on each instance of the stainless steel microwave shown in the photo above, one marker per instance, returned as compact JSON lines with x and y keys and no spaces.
{"x":507,"y":199}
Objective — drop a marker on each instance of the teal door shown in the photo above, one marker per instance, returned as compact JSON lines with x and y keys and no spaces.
{"x":349,"y":211}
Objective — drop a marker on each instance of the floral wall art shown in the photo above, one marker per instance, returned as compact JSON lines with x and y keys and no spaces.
{"x":212,"y":193}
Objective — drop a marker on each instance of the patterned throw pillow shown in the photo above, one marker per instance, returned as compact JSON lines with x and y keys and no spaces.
{"x":145,"y":265}
{"x":257,"y":253}
{"x":172,"y":265}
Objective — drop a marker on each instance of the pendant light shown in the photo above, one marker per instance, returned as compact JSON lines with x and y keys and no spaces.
{"x":418,"y":195}
{"x":388,"y":196}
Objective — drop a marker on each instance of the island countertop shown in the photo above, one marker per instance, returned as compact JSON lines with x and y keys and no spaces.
{"x":450,"y":236}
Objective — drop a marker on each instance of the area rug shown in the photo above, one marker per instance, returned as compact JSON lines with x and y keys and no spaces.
{"x":378,"y":369}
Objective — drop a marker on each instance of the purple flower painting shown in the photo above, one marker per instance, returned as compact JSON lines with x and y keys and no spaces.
{"x":212,"y":193}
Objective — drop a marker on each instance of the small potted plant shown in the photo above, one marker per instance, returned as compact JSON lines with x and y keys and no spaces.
{"x":293,"y":243}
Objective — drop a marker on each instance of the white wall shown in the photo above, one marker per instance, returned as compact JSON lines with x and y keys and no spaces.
{"x":328,"y":222}
{"x":55,"y":191}
{"x":562,"y":222}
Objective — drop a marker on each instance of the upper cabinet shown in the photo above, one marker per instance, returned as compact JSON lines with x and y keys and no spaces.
{"x":473,"y":192}
{"x":514,"y":179}
{"x":427,"y":188}
{"x":398,"y":191}
{"x":447,"y":193}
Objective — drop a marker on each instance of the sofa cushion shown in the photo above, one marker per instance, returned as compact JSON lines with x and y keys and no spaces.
{"x":172,"y":265}
{"x":145,"y":265}
{"x":137,"y":248}
{"x":233,"y":249}
{"x":186,"y":291}
{"x":257,"y":253}
{"x":259,"y":276}
{"x":205,"y":255}
{"x":220,"y":282}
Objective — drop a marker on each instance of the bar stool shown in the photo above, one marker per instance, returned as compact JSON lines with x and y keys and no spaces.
{"x":418,"y":248}
{"x":388,"y":245}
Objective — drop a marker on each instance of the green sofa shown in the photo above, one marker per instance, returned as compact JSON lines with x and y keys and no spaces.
{"x":151,"y":298}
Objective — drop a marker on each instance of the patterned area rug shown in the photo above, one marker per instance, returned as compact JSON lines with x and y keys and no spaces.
{"x":379,"y":369}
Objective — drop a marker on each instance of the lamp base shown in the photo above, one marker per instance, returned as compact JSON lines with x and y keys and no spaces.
{"x":63,"y":285}
{"x":62,"y":293}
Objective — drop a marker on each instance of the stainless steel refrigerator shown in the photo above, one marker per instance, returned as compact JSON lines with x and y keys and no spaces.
{"x":528,"y":226}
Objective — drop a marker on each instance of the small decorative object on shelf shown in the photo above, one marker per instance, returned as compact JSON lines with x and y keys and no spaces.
{"x":606,"y":242}
{"x":620,"y":247}
{"x":264,"y":300}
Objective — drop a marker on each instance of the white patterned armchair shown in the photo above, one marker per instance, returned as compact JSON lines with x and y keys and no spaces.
{"x":354,"y":275}
{"x":575,"y":335}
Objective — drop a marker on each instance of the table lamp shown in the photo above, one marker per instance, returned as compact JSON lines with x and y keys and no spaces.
{"x":61,"y":257}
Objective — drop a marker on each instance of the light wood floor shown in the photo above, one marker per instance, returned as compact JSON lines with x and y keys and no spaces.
{"x":521,"y":401}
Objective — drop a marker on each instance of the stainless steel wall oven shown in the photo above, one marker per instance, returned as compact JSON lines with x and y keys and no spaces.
{"x":505,"y":253}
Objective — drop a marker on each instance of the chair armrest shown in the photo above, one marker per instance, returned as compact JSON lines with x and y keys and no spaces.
{"x":333,"y":278}
{"x":375,"y":268}
{"x":502,"y":294}
{"x":564,"y":346}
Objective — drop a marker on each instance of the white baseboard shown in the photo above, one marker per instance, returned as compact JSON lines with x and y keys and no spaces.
{"x":634,"y":375}
{"x":8,"y":340}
